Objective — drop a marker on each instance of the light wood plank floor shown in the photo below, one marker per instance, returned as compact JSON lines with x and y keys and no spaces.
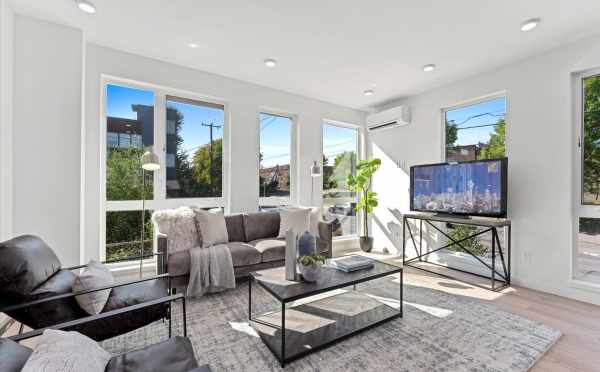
{"x":577,"y":350}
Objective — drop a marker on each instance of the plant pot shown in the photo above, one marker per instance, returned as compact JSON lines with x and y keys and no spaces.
{"x":310,"y":273}
{"x":366,"y":243}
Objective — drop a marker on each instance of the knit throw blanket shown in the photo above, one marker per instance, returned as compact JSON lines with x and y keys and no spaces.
{"x":211,"y":270}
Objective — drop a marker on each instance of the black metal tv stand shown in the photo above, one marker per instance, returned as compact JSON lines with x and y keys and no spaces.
{"x":498,"y":279}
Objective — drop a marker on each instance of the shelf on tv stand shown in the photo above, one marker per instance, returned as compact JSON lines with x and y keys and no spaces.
{"x":475,"y":221}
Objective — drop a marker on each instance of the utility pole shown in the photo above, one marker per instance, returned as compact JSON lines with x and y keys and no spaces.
{"x":211,"y":126}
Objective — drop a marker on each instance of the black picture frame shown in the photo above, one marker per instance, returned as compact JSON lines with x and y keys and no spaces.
{"x":503,"y":182}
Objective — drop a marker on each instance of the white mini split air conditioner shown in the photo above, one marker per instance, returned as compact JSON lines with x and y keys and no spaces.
{"x":392,"y":118}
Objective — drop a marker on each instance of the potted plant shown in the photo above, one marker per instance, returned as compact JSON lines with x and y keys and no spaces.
{"x":310,"y":266}
{"x":361,"y":184}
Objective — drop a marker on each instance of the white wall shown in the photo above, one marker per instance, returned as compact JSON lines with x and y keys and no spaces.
{"x":6,"y":110}
{"x":244,"y":100}
{"x":46,"y":134}
{"x":540,"y":145}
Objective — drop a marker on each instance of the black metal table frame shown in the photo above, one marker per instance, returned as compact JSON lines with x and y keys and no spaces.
{"x":282,"y":359}
{"x":504,"y":277}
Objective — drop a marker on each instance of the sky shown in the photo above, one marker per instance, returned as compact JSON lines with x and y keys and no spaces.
{"x":338,"y":139}
{"x":120,"y":99}
{"x":275,"y":131}
{"x":462,"y":116}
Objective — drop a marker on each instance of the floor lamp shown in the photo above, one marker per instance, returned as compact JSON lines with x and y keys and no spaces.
{"x":315,"y":172}
{"x":149,"y":163}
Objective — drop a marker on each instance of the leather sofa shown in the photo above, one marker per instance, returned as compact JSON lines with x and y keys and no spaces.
{"x":175,"y":354}
{"x":253,"y":244}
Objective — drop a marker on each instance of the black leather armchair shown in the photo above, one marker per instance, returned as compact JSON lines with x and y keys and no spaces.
{"x":36,"y":291}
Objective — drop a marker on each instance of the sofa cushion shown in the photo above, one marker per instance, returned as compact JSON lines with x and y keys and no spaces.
{"x":27,"y":262}
{"x":12,"y":355}
{"x":180,"y":227}
{"x":261,"y":225}
{"x":235,"y":227}
{"x":243,"y":254}
{"x":270,"y":249}
{"x":174,"y":354}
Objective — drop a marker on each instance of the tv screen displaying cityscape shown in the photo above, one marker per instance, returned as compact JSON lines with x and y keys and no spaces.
{"x":465,"y":188}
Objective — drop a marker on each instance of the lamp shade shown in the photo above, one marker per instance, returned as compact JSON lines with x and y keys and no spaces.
{"x":315,"y":170}
{"x":150,"y":161}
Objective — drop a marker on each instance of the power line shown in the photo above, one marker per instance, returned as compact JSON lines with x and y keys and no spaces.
{"x":272,"y":120}
{"x":478,"y":126}
{"x":493,"y":113}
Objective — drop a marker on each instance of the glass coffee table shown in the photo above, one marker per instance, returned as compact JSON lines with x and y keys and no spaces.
{"x":311,"y":316}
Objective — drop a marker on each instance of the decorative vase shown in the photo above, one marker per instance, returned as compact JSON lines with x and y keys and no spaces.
{"x":310,"y":273}
{"x":366,"y":243}
{"x":306,"y":244}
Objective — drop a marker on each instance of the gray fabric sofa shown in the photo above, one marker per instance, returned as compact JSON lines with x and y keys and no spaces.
{"x":253,"y":244}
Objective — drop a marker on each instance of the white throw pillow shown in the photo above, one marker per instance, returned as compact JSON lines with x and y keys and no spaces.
{"x":95,"y":275}
{"x":315,"y":218}
{"x":293,"y":218}
{"x":59,"y":351}
{"x":180,"y":227}
{"x":211,"y":227}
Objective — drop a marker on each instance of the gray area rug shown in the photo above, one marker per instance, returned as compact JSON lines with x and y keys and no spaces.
{"x":439,"y":332}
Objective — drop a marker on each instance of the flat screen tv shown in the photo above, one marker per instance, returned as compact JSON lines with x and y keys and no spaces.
{"x":471,"y":188}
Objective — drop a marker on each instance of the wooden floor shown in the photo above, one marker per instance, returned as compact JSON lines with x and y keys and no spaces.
{"x":577,"y":350}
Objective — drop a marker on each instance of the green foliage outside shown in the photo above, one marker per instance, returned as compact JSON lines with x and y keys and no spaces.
{"x":496,"y":147}
{"x":591,"y":141}
{"x":474,"y":245}
{"x":361,"y":184}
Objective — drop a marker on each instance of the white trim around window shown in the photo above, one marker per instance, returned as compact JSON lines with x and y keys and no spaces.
{"x":160,"y":200}
{"x":293,"y":198}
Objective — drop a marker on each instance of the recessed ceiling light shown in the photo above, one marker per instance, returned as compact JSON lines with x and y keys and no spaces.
{"x":530,"y":24}
{"x":369,"y":92}
{"x":429,"y":67}
{"x":270,"y":62}
{"x":86,"y":6}
{"x":193,"y":45}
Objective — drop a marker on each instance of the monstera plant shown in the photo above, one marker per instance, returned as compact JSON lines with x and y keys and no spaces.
{"x":361,"y":183}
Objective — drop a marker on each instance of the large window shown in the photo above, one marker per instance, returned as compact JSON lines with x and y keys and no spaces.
{"x":194,"y":148}
{"x":587,"y":241}
{"x":186,"y":133}
{"x":340,"y":154}
{"x":476,"y":131}
{"x":129,"y":128}
{"x":275,"y":157}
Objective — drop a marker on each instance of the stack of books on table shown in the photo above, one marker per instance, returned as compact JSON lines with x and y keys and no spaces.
{"x":352,"y":263}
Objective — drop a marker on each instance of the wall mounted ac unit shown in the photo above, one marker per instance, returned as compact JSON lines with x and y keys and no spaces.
{"x":392,"y":118}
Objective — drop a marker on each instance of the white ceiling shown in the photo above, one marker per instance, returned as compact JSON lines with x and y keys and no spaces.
{"x":330,"y":49}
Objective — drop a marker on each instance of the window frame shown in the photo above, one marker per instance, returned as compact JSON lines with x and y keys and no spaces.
{"x":293,"y":198}
{"x":159,"y":201}
{"x":467,"y":103}
{"x":580,"y":209}
{"x":361,"y":150}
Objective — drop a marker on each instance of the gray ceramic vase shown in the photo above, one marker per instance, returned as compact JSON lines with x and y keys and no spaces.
{"x":310,"y":273}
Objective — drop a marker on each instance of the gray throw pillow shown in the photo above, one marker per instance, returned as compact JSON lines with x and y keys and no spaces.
{"x":211,"y":227}
{"x":95,"y":275}
{"x":294,"y":218}
{"x":59,"y":351}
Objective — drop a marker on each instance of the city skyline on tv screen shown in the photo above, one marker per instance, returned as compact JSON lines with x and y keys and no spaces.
{"x":467,"y":188}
